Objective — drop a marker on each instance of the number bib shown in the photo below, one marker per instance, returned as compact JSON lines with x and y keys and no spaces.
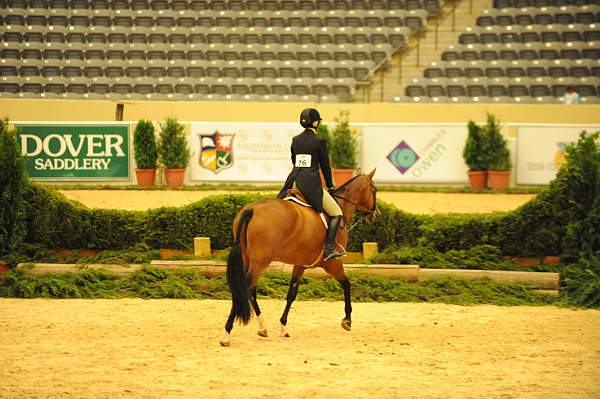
{"x":303,"y":160}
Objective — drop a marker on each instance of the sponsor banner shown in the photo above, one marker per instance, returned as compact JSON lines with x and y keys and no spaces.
{"x":541,"y":150}
{"x":75,"y":152}
{"x":415,"y":153}
{"x":241,"y":151}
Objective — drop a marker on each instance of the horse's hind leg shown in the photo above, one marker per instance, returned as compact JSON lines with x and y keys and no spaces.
{"x":336,"y":270}
{"x":262,"y":328}
{"x":228,"y":327}
{"x":291,"y":296}
{"x":257,"y":270}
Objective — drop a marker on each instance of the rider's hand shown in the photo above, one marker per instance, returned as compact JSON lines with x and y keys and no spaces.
{"x":331,"y":190}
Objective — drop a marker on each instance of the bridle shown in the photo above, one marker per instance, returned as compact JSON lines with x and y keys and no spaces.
{"x":372,"y":213}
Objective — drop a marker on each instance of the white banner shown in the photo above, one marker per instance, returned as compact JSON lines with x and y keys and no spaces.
{"x":541,"y":150}
{"x":257,"y":152}
{"x":415,"y":153}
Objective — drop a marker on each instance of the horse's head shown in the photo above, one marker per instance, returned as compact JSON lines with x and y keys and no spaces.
{"x":361,"y":192}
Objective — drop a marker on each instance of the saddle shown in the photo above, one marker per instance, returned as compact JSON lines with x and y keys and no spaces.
{"x":296,"y":196}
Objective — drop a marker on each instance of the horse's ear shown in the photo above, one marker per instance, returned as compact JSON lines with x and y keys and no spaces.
{"x":358,"y":171}
{"x":372,"y":173}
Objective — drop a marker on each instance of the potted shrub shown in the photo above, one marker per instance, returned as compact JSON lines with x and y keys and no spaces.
{"x":475,"y":156}
{"x":498,"y":163}
{"x":343,"y":150}
{"x":173,"y":151}
{"x":144,"y":146}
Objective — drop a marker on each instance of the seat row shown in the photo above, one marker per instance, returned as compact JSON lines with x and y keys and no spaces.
{"x":181,"y":88}
{"x":223,"y":5}
{"x":283,"y":53}
{"x":95,"y":39}
{"x":540,"y":16}
{"x":541,"y":3}
{"x":514,"y":69}
{"x":215,"y":71}
{"x":522,"y":51}
{"x":532,"y":34}
{"x":411,"y":19}
{"x":515,"y":90}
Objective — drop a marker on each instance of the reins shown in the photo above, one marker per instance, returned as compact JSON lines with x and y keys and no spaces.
{"x":361,"y":208}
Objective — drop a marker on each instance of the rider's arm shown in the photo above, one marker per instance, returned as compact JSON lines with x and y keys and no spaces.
{"x":293,"y":155}
{"x":324,"y":162}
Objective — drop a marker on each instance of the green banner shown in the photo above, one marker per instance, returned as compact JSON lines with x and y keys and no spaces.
{"x":75,"y":152}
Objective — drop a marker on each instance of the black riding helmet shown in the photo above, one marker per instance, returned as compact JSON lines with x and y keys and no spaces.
{"x":308,"y":117}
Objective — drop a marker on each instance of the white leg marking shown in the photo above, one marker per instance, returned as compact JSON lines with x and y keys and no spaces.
{"x":262,"y":326}
{"x":225,"y":339}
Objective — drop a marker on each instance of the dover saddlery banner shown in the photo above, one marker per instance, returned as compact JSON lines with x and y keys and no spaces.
{"x":541,"y":150}
{"x":75,"y":151}
{"x":415,"y":153}
{"x":257,"y":152}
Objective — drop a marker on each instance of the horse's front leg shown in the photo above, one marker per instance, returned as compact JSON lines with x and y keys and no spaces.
{"x":336,"y":269}
{"x":291,"y":296}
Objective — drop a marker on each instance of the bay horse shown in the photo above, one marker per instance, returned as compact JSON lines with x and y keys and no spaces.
{"x":275,"y":229}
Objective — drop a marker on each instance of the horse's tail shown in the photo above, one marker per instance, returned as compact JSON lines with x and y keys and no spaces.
{"x":236,"y":274}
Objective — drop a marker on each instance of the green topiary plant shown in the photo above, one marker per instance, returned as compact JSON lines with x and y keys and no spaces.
{"x":13,"y":182}
{"x":343,"y":144}
{"x":323,"y":132}
{"x":144,"y":145}
{"x":474,"y":152}
{"x":173,"y":151}
{"x":498,"y":156}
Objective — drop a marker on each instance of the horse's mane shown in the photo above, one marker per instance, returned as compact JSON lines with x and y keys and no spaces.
{"x":343,"y":186}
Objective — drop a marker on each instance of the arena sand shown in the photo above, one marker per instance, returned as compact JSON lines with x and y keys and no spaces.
{"x":427,"y":203}
{"x":134,"y":348}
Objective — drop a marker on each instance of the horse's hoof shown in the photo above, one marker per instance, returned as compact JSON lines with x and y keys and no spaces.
{"x":284,"y":332}
{"x":224,"y":343}
{"x":346,"y":325}
{"x":263,"y":333}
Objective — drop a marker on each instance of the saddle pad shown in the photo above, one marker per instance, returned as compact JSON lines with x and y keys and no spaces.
{"x":299,"y":202}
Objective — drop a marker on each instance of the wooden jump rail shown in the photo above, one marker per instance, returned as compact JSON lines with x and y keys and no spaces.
{"x":548,"y":283}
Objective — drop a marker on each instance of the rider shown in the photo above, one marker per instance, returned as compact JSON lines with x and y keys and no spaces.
{"x":309,"y":154}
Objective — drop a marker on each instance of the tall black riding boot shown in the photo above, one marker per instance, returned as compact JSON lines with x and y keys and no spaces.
{"x":330,"y":249}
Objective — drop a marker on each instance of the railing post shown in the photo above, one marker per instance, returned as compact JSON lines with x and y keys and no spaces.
{"x":419,"y":51}
{"x":381,"y":85}
{"x":437,"y":25}
{"x":400,"y":70}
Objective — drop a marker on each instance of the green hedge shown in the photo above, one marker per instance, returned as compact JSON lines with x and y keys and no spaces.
{"x":562,"y":220}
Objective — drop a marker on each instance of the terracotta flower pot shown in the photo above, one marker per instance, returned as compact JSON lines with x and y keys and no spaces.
{"x":478,"y":178}
{"x":499,"y":179}
{"x":145,"y":177}
{"x":341,"y":176}
{"x":174,"y":177}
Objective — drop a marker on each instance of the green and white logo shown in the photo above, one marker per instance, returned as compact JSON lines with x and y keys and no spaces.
{"x":76,"y":152}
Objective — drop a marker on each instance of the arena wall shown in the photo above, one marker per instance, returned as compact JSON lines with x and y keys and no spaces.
{"x":92,"y":110}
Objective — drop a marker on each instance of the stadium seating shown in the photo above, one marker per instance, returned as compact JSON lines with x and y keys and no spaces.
{"x":193,"y":49}
{"x":521,"y":51}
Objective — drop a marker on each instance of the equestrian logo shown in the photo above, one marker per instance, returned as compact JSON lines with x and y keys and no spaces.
{"x":216,"y":151}
{"x":403,"y":157}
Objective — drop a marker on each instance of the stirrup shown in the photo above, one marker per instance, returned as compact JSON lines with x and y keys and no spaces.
{"x":332,"y":255}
